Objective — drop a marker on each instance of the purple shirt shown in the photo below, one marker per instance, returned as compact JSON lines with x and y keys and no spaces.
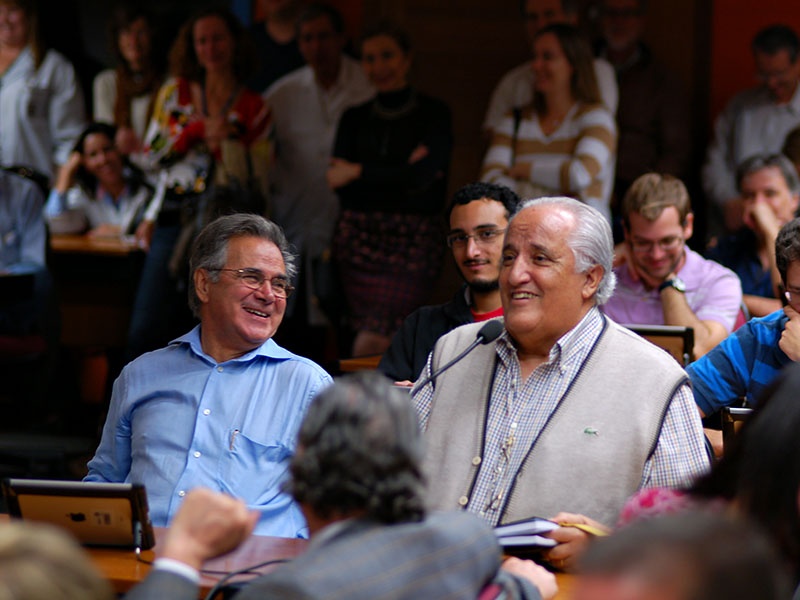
{"x":713,"y":292}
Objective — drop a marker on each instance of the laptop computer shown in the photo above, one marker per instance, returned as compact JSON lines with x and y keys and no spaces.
{"x":675,"y":339}
{"x":97,"y":514}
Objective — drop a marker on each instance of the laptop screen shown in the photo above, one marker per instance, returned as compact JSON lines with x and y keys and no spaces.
{"x":97,"y":514}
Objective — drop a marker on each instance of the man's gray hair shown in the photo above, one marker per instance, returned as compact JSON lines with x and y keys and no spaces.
{"x":210,"y":248}
{"x":758,"y":162}
{"x":591,"y":241}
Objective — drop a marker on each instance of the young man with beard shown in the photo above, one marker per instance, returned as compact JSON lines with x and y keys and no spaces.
{"x":478,"y":219}
{"x":663,"y":282}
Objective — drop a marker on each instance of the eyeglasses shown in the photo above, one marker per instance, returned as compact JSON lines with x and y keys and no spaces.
{"x":782,"y":75}
{"x":792,"y":296}
{"x":254,"y":279}
{"x":482,"y":237}
{"x":666,"y":244}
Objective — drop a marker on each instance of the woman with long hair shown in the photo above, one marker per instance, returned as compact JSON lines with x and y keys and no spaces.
{"x":391,"y":159}
{"x":565,"y":142}
{"x":97,"y":187}
{"x":124,"y":95}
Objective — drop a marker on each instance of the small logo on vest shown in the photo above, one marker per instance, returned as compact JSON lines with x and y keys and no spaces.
{"x":591,"y":431}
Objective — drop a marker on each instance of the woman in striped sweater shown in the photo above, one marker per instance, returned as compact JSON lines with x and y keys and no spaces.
{"x":565,"y":142}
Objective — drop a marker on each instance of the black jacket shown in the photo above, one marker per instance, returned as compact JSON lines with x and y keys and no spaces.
{"x":408,"y":353}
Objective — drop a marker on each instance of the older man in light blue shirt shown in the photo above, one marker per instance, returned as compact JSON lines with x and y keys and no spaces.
{"x":220,"y":406}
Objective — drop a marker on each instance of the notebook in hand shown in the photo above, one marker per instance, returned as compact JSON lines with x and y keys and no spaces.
{"x":525,"y":535}
{"x":97,"y":514}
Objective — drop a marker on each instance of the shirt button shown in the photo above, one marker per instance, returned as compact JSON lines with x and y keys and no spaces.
{"x":220,"y":369}
{"x":207,"y":412}
{"x":181,"y":493}
{"x":197,"y":455}
{"x":476,"y":460}
{"x":463,"y":501}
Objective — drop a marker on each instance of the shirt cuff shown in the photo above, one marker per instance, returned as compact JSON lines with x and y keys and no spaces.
{"x":176,"y":567}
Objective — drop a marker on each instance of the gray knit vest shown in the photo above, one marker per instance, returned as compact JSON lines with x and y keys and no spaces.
{"x":589,"y":457}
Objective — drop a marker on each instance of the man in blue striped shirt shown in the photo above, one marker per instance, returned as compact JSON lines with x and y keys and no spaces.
{"x":743,"y":364}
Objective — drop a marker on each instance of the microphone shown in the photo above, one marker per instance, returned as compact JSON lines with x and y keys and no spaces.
{"x":490,"y":331}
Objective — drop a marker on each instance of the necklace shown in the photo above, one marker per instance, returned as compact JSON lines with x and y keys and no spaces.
{"x":386,"y":112}
{"x":225,"y":107}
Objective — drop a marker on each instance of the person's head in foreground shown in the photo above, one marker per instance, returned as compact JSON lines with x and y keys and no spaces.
{"x":359,"y":455}
{"x":40,"y":562}
{"x":688,"y":556}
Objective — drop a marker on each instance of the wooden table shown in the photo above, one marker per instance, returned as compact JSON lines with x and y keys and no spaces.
{"x":98,"y":246}
{"x":96,"y":279}
{"x":124,"y":571}
{"x":566,"y":586}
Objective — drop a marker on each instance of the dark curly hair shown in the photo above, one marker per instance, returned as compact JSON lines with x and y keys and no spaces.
{"x":183,"y":59}
{"x":787,"y":247}
{"x":134,"y":178}
{"x":359,"y":452}
{"x":480,"y":189}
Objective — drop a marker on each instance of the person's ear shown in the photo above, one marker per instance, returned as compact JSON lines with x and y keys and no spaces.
{"x":688,"y":226}
{"x":202,"y":283}
{"x":592,"y":282}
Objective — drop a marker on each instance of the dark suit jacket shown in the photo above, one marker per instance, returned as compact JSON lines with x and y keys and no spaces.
{"x":448,"y":555}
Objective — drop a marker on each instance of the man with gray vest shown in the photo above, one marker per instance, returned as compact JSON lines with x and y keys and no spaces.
{"x":566,"y":413}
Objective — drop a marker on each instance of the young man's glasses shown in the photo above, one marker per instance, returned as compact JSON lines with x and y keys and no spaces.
{"x":666,"y":244}
{"x":483,"y":237}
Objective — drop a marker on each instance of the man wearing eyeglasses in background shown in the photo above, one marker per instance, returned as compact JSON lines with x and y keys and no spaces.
{"x":754,"y":121}
{"x":748,"y":360}
{"x":220,"y":406}
{"x":478,"y":218}
{"x":662,"y":281}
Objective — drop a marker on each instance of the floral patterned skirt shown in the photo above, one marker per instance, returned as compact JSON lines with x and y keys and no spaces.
{"x":388,"y":264}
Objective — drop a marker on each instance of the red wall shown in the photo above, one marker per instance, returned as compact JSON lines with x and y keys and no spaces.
{"x":733,"y":25}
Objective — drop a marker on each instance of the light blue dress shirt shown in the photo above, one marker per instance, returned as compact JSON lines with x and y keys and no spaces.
{"x":179,"y":420}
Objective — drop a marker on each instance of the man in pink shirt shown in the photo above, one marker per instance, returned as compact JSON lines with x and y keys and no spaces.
{"x":662,"y":281}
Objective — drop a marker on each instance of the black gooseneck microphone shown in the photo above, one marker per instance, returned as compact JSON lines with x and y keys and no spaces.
{"x":490,"y":331}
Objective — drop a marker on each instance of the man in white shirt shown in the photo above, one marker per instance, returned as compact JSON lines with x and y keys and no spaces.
{"x":755,"y":121}
{"x":515,"y":89}
{"x":306,"y":105}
